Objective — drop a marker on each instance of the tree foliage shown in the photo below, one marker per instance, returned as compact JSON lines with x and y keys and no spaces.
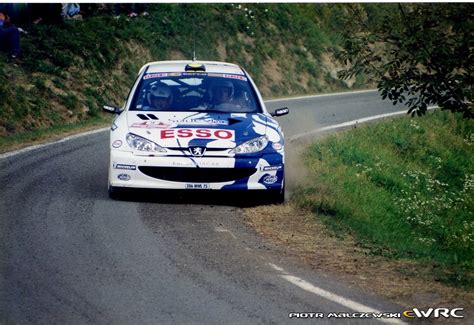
{"x":419,"y":54}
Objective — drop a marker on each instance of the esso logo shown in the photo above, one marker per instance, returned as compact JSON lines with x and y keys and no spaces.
{"x":218,"y":134}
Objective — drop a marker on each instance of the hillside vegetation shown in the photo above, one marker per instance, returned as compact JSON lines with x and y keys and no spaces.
{"x":70,"y":70}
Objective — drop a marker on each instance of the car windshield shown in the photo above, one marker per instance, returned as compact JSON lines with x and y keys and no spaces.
{"x":195,"y":91}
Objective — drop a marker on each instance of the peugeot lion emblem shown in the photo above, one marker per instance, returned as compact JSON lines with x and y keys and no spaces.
{"x":197,"y":151}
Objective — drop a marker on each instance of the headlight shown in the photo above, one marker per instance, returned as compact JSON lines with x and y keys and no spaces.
{"x":138,"y":143}
{"x":251,"y":146}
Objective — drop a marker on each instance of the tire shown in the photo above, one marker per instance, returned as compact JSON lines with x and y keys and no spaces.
{"x":277,"y":196}
{"x":114,"y":193}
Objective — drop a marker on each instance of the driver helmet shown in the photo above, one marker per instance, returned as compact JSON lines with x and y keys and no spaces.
{"x":217,"y":85}
{"x":160,"y":91}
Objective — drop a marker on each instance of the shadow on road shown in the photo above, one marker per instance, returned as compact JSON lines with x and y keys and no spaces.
{"x":203,"y":197}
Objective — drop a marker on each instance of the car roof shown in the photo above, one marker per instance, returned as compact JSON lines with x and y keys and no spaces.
{"x":179,"y":66}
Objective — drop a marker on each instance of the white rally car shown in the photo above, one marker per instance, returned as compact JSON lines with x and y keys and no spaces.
{"x":196,"y":125}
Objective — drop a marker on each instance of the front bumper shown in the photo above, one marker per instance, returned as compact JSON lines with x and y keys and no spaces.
{"x":207,"y":173}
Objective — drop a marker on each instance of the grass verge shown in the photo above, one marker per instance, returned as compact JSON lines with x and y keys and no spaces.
{"x":403,"y":189}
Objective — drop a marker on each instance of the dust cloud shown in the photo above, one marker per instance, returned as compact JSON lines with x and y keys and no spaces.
{"x":296,"y":172}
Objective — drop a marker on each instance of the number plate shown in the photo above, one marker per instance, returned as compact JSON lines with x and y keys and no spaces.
{"x":198,"y":186}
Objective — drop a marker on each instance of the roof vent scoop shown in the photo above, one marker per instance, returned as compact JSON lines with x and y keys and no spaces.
{"x":195,"y":67}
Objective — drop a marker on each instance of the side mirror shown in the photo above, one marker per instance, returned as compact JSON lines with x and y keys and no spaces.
{"x":111,"y":109}
{"x":280,"y":111}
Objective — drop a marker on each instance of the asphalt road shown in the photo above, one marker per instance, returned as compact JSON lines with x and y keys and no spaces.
{"x":71,"y":255}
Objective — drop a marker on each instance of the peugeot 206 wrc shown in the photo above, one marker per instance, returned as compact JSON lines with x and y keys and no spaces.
{"x":196,"y":125}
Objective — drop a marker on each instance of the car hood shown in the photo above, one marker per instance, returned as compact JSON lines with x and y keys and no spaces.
{"x":185,"y":129}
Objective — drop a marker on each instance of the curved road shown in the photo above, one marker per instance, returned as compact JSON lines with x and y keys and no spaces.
{"x":70,"y":255}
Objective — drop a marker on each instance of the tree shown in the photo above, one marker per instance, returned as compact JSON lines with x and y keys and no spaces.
{"x":419,"y":54}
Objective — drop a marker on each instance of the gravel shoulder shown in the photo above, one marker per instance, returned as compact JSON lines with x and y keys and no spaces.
{"x":402,"y":281}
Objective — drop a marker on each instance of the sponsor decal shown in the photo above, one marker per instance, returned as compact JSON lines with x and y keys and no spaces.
{"x":196,"y":164}
{"x":213,"y":74}
{"x":234,"y":76}
{"x":155,"y":75}
{"x":218,"y":134}
{"x":194,"y":74}
{"x":117,"y":144}
{"x":277,"y":167}
{"x":123,"y":166}
{"x":270,"y":179}
{"x":197,"y":186}
{"x":203,"y":74}
{"x":150,"y":125}
{"x":197,"y":151}
{"x":201,"y":121}
{"x":124,"y":177}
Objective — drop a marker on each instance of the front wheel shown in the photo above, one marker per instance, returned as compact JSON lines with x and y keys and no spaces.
{"x":277,"y":196}
{"x":114,"y":192}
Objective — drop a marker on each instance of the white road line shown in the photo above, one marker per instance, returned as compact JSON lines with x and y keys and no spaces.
{"x":71,"y":137}
{"x":348,"y":303}
{"x":320,"y":95}
{"x":222,"y":229}
{"x":350,"y":123}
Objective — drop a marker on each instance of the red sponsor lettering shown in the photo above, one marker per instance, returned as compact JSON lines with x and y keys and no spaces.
{"x":139,"y":125}
{"x":184,"y":133}
{"x":150,"y":125}
{"x":197,"y":133}
{"x":166,"y":134}
{"x":223,"y":134}
{"x":203,"y":133}
{"x":233,"y":76}
{"x":155,"y":75}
